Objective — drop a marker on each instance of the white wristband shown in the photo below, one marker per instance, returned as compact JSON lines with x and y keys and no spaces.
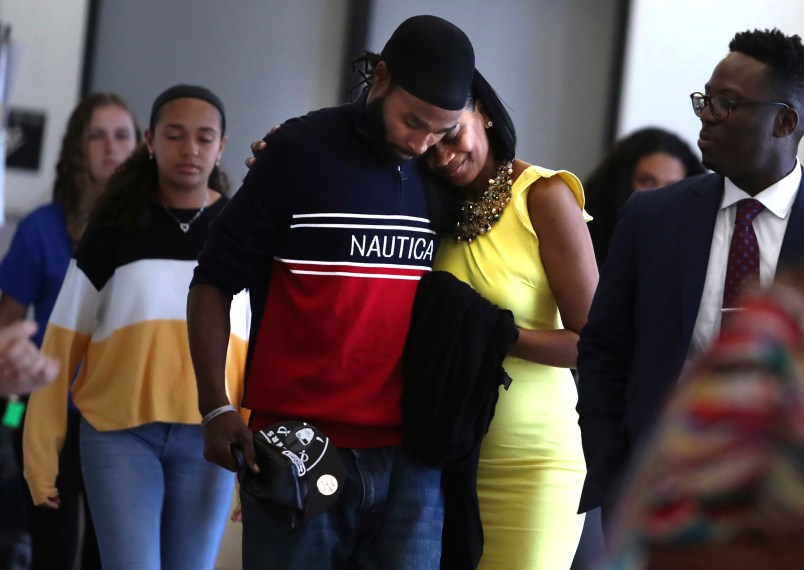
{"x":216,"y":412}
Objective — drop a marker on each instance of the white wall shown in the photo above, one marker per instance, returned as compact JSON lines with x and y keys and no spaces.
{"x":674,"y":45}
{"x":49,"y":37}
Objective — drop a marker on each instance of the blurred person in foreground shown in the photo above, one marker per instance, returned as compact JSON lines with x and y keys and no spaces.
{"x":721,"y":482}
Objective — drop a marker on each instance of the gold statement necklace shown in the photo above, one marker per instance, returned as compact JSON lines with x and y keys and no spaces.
{"x":477,"y":217}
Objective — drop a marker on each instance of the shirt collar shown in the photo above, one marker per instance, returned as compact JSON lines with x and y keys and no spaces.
{"x":778,"y":198}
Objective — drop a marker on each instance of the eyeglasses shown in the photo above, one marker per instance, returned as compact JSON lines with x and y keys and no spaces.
{"x":720,"y":106}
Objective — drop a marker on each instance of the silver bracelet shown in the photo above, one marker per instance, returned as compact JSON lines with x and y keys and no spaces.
{"x":216,"y":412}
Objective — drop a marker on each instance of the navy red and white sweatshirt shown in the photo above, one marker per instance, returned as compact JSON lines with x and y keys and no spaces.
{"x":331,"y":238}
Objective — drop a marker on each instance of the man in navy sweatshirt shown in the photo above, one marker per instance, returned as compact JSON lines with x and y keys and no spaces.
{"x":331,"y":232}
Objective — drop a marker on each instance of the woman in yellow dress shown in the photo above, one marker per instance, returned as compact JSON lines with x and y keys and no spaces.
{"x":522,"y":242}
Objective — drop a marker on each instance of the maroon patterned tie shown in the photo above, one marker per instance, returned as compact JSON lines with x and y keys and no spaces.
{"x":743,"y":252}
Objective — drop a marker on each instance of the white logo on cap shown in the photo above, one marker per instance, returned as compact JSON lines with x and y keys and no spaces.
{"x":305,"y":435}
{"x":327,"y":485}
{"x":300,"y":466}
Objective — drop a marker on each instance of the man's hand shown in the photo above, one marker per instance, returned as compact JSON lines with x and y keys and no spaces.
{"x":224,"y":432}
{"x":22,"y":367}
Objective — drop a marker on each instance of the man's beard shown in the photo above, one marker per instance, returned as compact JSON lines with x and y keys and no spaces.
{"x":376,"y":125}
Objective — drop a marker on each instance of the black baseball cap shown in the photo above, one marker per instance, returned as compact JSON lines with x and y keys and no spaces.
{"x":301,"y":473}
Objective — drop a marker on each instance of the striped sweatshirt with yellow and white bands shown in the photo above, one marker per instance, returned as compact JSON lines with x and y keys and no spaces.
{"x":121,"y":315}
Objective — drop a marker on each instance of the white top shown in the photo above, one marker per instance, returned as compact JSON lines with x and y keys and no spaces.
{"x":769,"y":226}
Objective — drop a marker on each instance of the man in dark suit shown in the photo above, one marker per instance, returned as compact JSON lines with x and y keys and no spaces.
{"x":661,"y":292}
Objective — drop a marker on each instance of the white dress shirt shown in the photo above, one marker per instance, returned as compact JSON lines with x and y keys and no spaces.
{"x":769,"y":226}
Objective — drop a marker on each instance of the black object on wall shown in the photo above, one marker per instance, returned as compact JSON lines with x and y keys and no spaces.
{"x":617,"y":67}
{"x":89,"y":47}
{"x":25,"y":136}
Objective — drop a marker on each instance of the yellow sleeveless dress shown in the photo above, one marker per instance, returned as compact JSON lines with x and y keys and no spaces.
{"x":531,"y":462}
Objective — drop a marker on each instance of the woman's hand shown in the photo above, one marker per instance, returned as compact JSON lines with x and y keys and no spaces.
{"x":258,"y":146}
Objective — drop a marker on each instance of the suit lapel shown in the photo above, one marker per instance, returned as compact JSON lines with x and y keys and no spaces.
{"x":792,"y":251}
{"x":698,"y":215}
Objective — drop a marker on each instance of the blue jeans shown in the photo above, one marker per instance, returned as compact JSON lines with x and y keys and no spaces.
{"x":155,"y":501}
{"x":389,"y":515}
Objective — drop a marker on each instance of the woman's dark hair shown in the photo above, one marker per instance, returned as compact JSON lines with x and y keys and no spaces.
{"x":72,"y":169}
{"x":133,"y":188}
{"x":609,"y":185}
{"x":502,"y":134}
